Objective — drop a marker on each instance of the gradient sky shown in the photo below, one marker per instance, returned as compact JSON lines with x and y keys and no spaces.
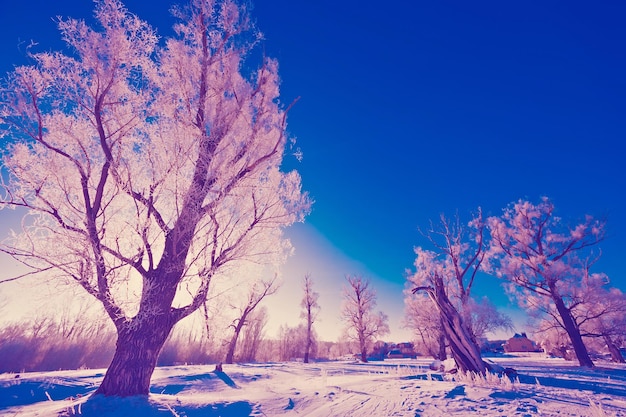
{"x":410,"y":109}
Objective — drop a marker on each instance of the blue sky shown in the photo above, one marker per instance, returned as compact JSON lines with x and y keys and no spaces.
{"x":412,"y":109}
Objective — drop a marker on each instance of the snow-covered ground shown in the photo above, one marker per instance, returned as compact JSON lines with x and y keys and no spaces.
{"x":543,"y":387}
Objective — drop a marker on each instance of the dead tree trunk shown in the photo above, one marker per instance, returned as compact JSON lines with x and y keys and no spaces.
{"x":463,"y":346}
{"x":464,"y":350}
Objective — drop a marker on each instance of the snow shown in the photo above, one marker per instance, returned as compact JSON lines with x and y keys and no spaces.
{"x":398,"y":387}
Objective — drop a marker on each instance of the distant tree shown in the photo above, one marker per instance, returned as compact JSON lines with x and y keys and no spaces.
{"x":267,"y":350}
{"x":541,"y":257}
{"x":253,"y":334}
{"x":70,"y":337}
{"x":310,"y":308}
{"x":486,"y":318}
{"x":258,"y":291}
{"x":147,"y":167}
{"x":363,"y":324}
{"x":188,"y":344}
{"x":447,"y":276}
{"x":553,"y":339}
{"x":331,"y":350}
{"x":292,"y":342}
{"x":426,"y":326}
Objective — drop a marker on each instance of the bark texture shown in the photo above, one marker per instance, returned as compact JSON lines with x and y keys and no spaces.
{"x":138,"y":348}
{"x":572,"y":331}
{"x":464,"y":349}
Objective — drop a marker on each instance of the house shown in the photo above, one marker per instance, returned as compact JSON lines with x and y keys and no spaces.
{"x":382,"y":350}
{"x":520,"y":343}
{"x":402,"y":350}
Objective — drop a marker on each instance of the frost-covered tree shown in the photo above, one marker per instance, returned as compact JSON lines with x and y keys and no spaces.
{"x":542,"y":259}
{"x":426,"y":326}
{"x":258,"y":291}
{"x":363,"y":324}
{"x":599,"y":310}
{"x":486,"y":318}
{"x":252,"y":335}
{"x":147,"y":168}
{"x":310,"y":310}
{"x":603,"y":316}
{"x":292,"y":342}
{"x":447,"y":276}
{"x":553,"y":339}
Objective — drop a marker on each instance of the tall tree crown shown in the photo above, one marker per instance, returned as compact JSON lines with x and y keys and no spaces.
{"x":537,"y":251}
{"x":145,"y":161}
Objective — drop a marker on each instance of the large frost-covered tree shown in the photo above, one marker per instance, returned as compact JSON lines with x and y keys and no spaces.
{"x":363,"y":324}
{"x":146,"y":169}
{"x":542,"y":258}
{"x":447,"y":275}
{"x":485,"y":318}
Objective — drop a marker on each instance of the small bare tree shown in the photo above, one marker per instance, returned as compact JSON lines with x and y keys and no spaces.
{"x":259,"y":290}
{"x":486,"y":318}
{"x":426,"y":326}
{"x":310,"y":308}
{"x":253,"y":334}
{"x":363,"y":324}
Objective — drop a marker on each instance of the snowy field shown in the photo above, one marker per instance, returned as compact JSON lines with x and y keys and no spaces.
{"x":543,"y":387}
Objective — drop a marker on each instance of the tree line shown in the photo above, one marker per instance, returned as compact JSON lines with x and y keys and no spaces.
{"x":82,"y":337}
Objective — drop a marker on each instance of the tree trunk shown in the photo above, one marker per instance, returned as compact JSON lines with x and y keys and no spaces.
{"x":363,"y":348}
{"x":616,"y":355}
{"x":307,"y":349}
{"x":572,"y":331}
{"x":233,"y":341}
{"x":463,"y":346}
{"x":139,"y":342}
{"x":306,"y":352}
{"x":441,"y":339}
{"x":464,"y":351}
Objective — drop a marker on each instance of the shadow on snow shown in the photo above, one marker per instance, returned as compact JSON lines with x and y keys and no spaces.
{"x":140,"y":406}
{"x":29,"y":391}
